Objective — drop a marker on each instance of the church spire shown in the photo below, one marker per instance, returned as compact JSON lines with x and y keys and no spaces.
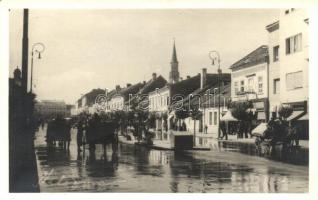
{"x":174,"y":53}
{"x":174,"y":73}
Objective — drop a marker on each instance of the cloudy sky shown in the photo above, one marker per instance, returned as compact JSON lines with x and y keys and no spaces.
{"x":88,"y":49}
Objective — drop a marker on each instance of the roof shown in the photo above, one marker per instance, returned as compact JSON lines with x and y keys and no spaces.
{"x":208,"y":100}
{"x":111,"y":94}
{"x":152,"y":84}
{"x":212,"y":82}
{"x":131,"y":90}
{"x":192,"y":84}
{"x":258,"y":56}
{"x":91,"y":96}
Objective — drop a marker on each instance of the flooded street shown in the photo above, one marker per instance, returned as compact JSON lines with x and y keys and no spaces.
{"x":139,"y":169}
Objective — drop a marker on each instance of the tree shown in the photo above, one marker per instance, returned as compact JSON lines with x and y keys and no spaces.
{"x":242,"y":111}
{"x":195,"y":114}
{"x":181,"y":114}
{"x":152,"y":119}
{"x":285,"y":111}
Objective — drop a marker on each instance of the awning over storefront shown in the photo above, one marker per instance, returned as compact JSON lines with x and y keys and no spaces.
{"x":305,"y":117}
{"x":259,"y":130}
{"x":295,"y":114}
{"x":228,"y":117}
{"x":261,"y":115}
{"x":171,"y":114}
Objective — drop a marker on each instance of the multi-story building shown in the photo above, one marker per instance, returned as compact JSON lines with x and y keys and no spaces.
{"x":141,"y":99}
{"x":51,"y":108}
{"x":274,"y":71}
{"x":87,"y":102}
{"x":250,"y":81}
{"x":122,"y":95}
{"x":289,"y":61}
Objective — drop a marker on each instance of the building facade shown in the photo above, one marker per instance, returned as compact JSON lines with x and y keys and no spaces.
{"x":250,"y":81}
{"x":289,"y":63}
{"x":51,"y":108}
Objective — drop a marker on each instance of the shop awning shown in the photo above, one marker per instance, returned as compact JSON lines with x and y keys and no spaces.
{"x":228,"y":117}
{"x":171,"y":114}
{"x":259,"y":130}
{"x":295,"y":114}
{"x":261,"y":115}
{"x":305,"y":117}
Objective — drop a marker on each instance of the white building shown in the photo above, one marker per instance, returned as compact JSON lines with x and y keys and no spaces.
{"x":293,"y":38}
{"x":123,"y":95}
{"x":250,"y":80}
{"x":274,"y":66}
{"x":289,"y":62}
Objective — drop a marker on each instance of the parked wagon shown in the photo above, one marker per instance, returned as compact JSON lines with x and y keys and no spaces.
{"x":274,"y":138}
{"x":101,"y":132}
{"x":59,"y":133}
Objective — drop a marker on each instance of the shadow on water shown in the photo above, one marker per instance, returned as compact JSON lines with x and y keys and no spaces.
{"x":185,"y":167}
{"x":100,"y":165}
{"x":53,"y":156}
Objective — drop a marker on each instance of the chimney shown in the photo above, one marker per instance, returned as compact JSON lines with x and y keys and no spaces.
{"x":203,"y":78}
{"x":154,"y":76}
{"x":117,"y":88}
{"x":128,"y":84}
{"x":188,"y":77}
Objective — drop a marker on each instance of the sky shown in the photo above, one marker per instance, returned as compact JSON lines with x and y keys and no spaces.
{"x":87,"y":49}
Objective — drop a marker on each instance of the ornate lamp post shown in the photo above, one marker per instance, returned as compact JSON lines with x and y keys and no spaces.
{"x":37,"y":48}
{"x":215,"y":57}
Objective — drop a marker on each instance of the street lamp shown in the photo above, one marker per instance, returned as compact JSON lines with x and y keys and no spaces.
{"x":214,"y":96}
{"x":215,"y":57}
{"x":36,"y":48}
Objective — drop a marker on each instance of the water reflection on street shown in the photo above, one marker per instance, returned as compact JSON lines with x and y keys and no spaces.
{"x":138,"y":169}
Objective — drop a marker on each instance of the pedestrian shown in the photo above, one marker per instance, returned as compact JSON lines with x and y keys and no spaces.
{"x":80,"y":131}
{"x":223,"y":129}
{"x":184,"y":126}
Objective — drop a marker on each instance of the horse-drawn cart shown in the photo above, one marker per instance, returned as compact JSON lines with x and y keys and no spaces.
{"x":274,"y":139}
{"x":101,"y":132}
{"x":59,"y":132}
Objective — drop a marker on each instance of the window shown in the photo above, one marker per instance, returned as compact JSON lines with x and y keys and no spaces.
{"x":242,"y":86}
{"x":215,"y":118}
{"x":251,"y":84}
{"x":260,"y":84}
{"x":236,"y":89}
{"x":294,"y":80}
{"x":276,"y":86}
{"x":275,"y":53}
{"x":210,"y":118}
{"x":293,"y":44}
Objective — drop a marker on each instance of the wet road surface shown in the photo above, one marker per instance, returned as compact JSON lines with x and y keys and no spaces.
{"x":139,"y":169}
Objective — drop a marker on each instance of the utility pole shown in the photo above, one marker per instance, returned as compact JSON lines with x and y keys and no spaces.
{"x":215,"y":56}
{"x":25,"y":50}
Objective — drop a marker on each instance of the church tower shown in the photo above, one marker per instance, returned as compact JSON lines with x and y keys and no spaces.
{"x":174,"y":73}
